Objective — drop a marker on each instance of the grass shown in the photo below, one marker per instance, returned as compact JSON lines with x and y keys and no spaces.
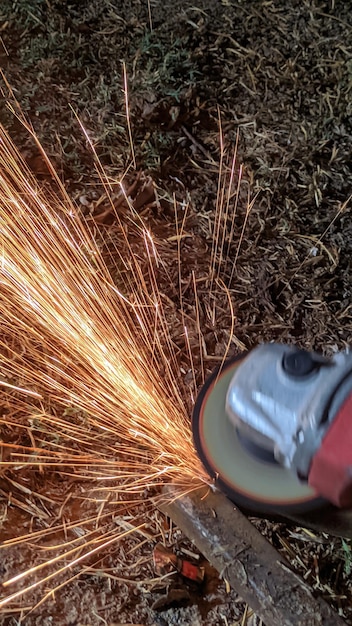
{"x":347,"y":556}
{"x":165,"y":68}
{"x":280,"y":78}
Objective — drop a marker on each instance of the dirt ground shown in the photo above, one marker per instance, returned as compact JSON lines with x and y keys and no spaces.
{"x":278,"y":76}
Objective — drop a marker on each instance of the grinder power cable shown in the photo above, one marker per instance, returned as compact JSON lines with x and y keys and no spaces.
{"x":273,"y":429}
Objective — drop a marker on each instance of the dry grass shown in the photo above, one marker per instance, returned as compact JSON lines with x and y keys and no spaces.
{"x":282,"y":78}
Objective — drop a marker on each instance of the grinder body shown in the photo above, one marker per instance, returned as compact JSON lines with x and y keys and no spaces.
{"x":288,"y":415}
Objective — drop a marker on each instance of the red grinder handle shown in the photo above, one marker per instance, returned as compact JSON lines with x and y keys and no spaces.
{"x":331,"y":469}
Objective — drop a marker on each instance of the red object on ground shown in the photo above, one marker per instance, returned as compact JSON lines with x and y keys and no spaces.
{"x":193,"y":572}
{"x":166,"y":562}
{"x":331,"y":469}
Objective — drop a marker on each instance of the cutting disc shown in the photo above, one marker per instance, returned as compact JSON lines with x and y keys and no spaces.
{"x":254,"y":484}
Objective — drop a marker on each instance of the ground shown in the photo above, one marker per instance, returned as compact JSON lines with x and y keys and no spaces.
{"x":273,"y":79}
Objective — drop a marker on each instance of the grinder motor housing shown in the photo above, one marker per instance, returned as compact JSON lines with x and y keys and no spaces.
{"x":294,"y":408}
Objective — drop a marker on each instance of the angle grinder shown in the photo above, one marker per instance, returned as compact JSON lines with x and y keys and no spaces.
{"x":273,"y":429}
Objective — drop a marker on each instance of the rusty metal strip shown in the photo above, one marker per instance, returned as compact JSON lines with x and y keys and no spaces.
{"x":257,"y":572}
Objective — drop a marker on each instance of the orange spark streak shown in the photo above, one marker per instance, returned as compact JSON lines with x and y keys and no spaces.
{"x":97,"y":349}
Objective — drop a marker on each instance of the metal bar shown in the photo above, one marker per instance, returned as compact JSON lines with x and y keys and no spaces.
{"x":257,"y":572}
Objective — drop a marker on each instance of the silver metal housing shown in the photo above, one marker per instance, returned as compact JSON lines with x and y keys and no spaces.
{"x":288,"y":415}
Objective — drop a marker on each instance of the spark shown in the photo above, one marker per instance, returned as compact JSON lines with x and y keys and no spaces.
{"x":125,"y":82}
{"x":74,"y":338}
{"x":93,"y":356}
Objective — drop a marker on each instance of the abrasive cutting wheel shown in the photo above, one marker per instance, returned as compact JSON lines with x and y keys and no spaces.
{"x":246,"y":476}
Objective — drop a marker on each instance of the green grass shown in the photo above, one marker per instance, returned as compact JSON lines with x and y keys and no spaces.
{"x":347,"y":556}
{"x":166,"y":68}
